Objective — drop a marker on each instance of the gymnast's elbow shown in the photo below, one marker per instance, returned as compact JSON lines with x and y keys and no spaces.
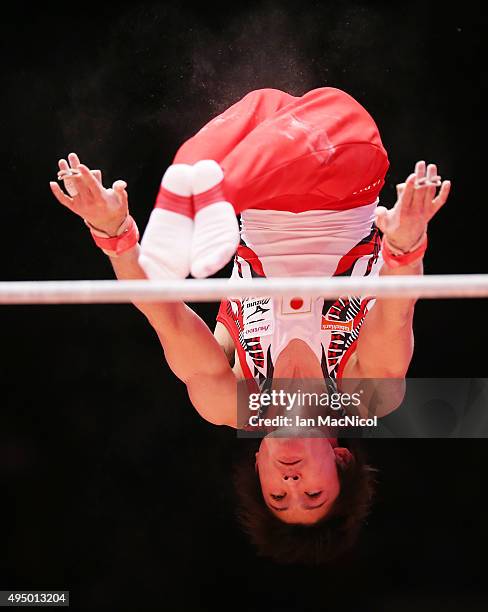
{"x":214,"y":398}
{"x":389,"y":395}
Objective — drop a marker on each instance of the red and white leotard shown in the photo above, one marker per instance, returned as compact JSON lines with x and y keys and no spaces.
{"x":311,"y":243}
{"x":305,"y":174}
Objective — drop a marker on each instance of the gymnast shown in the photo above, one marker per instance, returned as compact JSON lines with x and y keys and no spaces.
{"x":304,"y":174}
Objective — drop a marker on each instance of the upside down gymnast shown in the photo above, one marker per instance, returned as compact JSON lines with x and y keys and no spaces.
{"x":304,"y":173}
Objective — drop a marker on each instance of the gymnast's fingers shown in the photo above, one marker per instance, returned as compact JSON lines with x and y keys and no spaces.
{"x":441,"y":199}
{"x":63,"y":165}
{"x":431,"y":184}
{"x":400,"y":188}
{"x":381,"y":218}
{"x":406,"y":197}
{"x":90,"y":181}
{"x":60,"y":196}
{"x":420,"y":169}
{"x":119,"y":188}
{"x":74,"y":160}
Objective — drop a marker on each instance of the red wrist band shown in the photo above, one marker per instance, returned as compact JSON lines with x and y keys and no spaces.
{"x":116,"y":245}
{"x":394,"y":260}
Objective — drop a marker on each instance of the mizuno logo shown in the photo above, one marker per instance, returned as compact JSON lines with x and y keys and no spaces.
{"x":259,"y":310}
{"x":331,"y":324}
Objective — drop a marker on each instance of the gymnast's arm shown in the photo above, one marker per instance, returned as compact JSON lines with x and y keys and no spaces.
{"x":191,"y":350}
{"x":386,"y":341}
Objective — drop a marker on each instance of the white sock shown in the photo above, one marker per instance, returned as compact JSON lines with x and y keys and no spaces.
{"x":216,"y":232}
{"x":166,"y":244}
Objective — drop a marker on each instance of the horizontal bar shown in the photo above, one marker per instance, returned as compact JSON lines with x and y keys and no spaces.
{"x":215,"y":289}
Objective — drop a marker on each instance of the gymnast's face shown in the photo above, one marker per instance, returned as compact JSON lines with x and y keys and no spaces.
{"x":298,"y":477}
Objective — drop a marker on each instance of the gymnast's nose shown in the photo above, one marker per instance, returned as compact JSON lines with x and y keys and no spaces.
{"x":291,"y":475}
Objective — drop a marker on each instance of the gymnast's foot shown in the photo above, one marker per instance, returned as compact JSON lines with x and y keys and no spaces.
{"x":216,"y":231}
{"x":166,"y":244}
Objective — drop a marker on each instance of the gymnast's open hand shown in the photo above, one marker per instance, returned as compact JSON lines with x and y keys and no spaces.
{"x":405,"y":224}
{"x":104,"y":209}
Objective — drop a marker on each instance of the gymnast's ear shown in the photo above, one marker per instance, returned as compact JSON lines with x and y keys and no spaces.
{"x":344,"y":457}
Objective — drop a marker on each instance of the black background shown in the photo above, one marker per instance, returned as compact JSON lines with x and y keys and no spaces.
{"x":111,"y":484}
